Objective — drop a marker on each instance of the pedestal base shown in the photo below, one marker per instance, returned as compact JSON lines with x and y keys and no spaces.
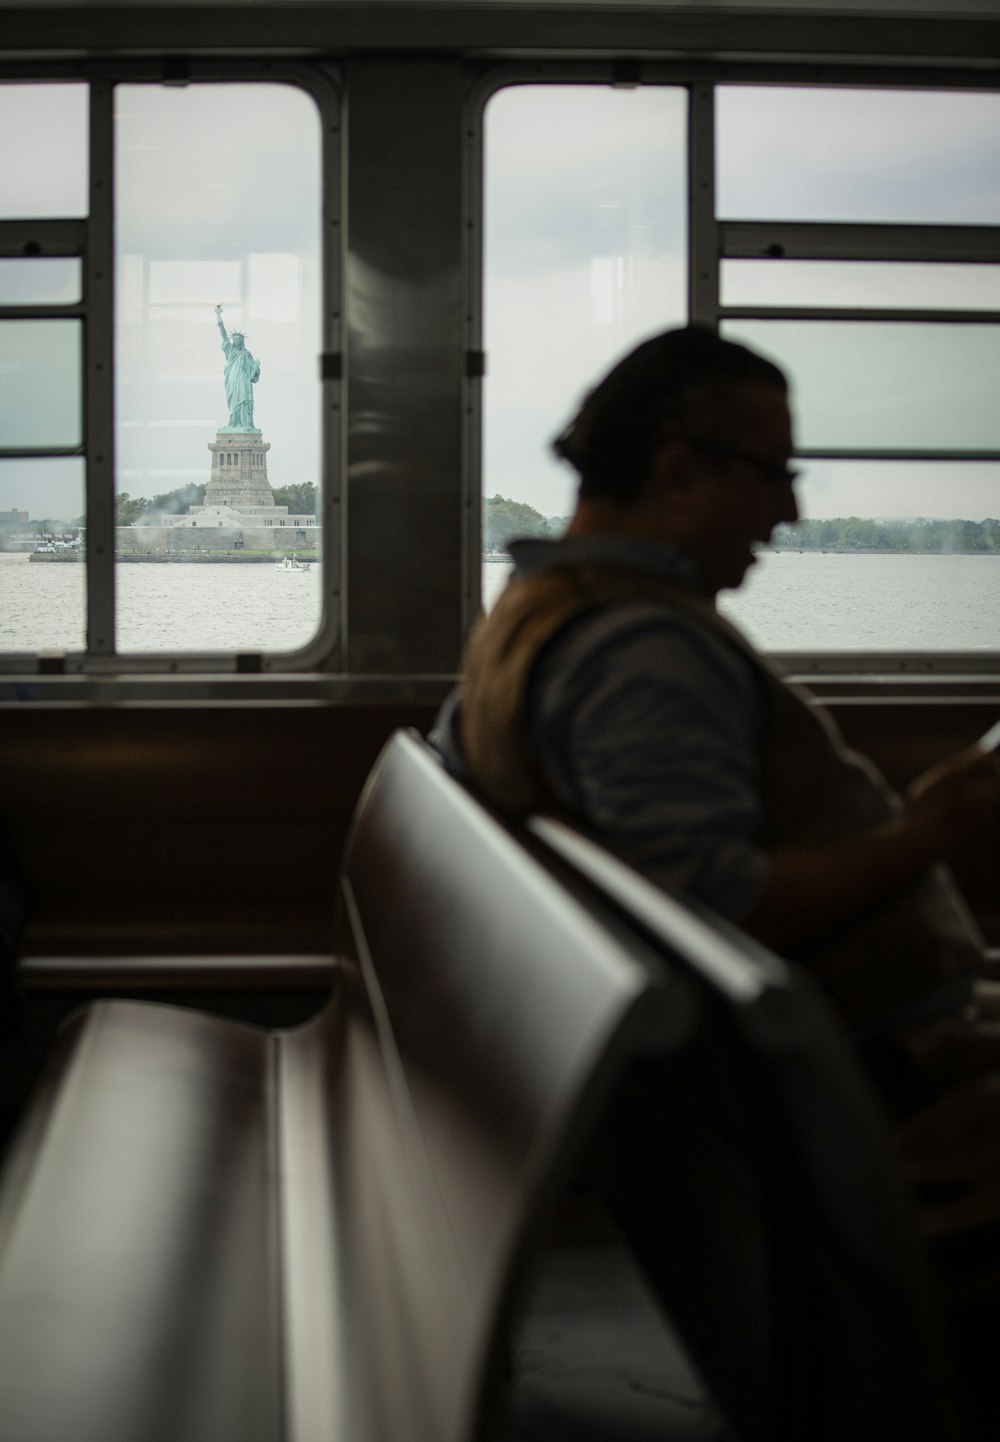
{"x":239,"y":470}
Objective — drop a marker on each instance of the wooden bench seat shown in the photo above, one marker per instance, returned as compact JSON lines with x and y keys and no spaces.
{"x":214,"y":1231}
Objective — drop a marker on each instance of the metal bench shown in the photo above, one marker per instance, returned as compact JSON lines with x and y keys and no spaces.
{"x":212,"y":1231}
{"x":752,"y":1173}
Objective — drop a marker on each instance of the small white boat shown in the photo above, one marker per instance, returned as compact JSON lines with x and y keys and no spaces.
{"x":291,"y":563}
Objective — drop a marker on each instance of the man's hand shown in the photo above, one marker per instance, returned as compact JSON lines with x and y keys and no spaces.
{"x":812,"y":888}
{"x":955,"y":799}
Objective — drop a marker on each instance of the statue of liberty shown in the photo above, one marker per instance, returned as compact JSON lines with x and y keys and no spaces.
{"x":242,"y":373}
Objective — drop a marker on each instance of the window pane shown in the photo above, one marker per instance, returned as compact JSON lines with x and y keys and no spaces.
{"x":43,"y":157}
{"x":861,"y":283}
{"x":886,"y":385}
{"x":40,"y":282}
{"x":217,"y":203}
{"x":42,"y":575}
{"x":864,"y":155}
{"x":40,"y":382}
{"x":891,"y":556}
{"x":585,"y":252}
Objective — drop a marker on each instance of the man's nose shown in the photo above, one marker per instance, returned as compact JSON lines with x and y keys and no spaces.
{"x":787,"y":506}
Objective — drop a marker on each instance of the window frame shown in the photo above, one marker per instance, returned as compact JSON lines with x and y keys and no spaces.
{"x":713,"y":240}
{"x":91,"y":239}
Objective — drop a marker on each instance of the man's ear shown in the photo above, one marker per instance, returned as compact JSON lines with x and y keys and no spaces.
{"x":674,"y":467}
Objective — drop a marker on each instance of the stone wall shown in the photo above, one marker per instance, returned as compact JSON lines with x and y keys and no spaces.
{"x":178,"y":540}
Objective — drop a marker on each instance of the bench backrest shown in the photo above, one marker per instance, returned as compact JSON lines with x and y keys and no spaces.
{"x":485,"y":1014}
{"x":226,"y":1234}
{"x":755,"y":1183}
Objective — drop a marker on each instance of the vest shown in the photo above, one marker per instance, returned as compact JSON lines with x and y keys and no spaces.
{"x":909,"y":960}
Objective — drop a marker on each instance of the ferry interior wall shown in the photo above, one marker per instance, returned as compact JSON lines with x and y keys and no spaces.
{"x":436,"y":224}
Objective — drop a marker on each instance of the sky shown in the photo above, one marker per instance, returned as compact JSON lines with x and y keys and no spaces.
{"x":599,"y":189}
{"x":218,"y":201}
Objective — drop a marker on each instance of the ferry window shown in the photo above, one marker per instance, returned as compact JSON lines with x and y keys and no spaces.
{"x":827,"y":153}
{"x":214,"y":303}
{"x":217,"y":328}
{"x":891,"y":556}
{"x":43,"y":158}
{"x":585,"y":246}
{"x":886,"y":386}
{"x":862,"y":285}
{"x":40,"y":371}
{"x":43,"y":606}
{"x":41,"y":282}
{"x":857,"y":247}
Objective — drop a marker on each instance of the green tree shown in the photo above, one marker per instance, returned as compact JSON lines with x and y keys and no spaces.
{"x":174,"y":503}
{"x":301,"y":499}
{"x":128,"y":508}
{"x":505,"y":521}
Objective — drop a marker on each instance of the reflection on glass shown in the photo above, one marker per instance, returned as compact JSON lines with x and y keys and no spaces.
{"x":217,"y":205}
{"x":886,"y":385}
{"x":42,"y":575}
{"x":40,"y":369}
{"x":859,"y":284}
{"x":585,"y":253}
{"x":43,"y":158}
{"x":864,"y":155}
{"x":40,"y":282}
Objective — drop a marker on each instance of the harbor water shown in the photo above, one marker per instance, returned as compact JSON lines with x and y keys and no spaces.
{"x":790,"y":601}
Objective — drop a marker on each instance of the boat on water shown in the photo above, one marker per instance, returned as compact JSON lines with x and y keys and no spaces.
{"x":292,"y":563}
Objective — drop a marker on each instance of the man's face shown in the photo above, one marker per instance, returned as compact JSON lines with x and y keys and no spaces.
{"x":743,"y":488}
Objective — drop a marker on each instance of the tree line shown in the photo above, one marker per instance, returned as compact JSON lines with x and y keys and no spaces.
{"x":855,"y":533}
{"x":131,"y":510}
{"x":505,"y":521}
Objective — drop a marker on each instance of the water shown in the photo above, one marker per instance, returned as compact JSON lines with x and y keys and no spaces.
{"x":810,"y":601}
{"x":176,"y":606}
{"x":791,"y":601}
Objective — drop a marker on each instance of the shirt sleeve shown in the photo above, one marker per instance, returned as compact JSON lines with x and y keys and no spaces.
{"x":649,"y":729}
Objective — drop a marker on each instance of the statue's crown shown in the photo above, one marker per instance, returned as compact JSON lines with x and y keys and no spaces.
{"x":241,"y":333}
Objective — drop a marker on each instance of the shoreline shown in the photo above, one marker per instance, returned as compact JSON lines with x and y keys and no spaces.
{"x":197,"y":558}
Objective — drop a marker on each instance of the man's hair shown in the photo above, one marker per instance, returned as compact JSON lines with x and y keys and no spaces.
{"x":683,"y":384}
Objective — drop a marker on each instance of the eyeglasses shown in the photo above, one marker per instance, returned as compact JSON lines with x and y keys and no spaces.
{"x":773,"y":473}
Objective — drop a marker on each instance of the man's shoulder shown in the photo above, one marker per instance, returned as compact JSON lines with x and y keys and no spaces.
{"x":636,"y":635}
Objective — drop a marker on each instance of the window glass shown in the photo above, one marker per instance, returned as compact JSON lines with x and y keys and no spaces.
{"x":890,"y":556}
{"x":858,"y":284}
{"x":218,"y":201}
{"x":886,"y":385}
{"x":43,"y":154}
{"x":826,"y":153}
{"x":42,"y":539}
{"x":40,"y":376}
{"x":585,"y":253}
{"x":40,"y":282}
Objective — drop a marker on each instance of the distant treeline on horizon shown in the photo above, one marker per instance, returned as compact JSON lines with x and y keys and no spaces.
{"x":855,"y":533}
{"x":504,"y":520}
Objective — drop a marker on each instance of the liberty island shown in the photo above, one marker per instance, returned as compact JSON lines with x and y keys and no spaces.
{"x":238,"y":519}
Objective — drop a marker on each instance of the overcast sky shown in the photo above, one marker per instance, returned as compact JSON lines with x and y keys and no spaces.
{"x":218,"y":200}
{"x":595,"y":177}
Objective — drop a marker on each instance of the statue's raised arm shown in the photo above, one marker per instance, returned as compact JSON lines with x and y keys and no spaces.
{"x":242,"y":373}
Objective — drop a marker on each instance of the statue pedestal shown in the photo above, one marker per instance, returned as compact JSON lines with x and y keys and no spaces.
{"x":239,"y":471}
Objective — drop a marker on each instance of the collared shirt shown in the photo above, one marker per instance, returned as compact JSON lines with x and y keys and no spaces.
{"x":648,"y":727}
